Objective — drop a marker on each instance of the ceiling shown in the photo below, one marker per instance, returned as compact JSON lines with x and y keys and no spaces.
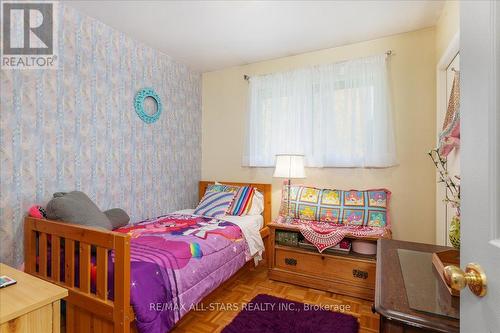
{"x":211,"y":35}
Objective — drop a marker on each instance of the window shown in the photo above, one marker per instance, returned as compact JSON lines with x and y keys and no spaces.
{"x":337,"y":115}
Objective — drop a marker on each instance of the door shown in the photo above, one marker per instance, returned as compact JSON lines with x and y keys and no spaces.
{"x":480,"y":164}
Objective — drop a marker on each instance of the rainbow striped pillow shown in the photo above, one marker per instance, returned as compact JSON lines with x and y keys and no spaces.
{"x":242,"y":201}
{"x":214,"y":204}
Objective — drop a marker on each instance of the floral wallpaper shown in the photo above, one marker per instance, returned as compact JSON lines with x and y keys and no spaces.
{"x":75,"y":128}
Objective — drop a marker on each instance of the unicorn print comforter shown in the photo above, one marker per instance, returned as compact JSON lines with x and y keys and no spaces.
{"x":176,"y":260}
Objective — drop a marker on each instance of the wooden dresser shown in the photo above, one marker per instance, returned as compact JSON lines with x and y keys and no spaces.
{"x":349,"y":274}
{"x":31,"y":305}
{"x":397,"y":315}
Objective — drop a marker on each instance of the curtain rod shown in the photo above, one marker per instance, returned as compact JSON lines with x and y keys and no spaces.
{"x":388,"y":53}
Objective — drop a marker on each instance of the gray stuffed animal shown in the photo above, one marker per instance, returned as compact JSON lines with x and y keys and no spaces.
{"x":76,"y":207}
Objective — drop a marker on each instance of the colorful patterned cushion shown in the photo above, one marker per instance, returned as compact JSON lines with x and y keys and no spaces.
{"x":353,"y":207}
{"x":247,"y":199}
{"x":214,"y":204}
{"x":242,"y":201}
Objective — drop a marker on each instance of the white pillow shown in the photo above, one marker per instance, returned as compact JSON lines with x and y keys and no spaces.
{"x":257,"y":206}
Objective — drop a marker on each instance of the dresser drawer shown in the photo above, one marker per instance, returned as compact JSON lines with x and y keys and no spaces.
{"x":347,"y":270}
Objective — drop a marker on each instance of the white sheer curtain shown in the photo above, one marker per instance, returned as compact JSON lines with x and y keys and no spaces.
{"x":337,"y":115}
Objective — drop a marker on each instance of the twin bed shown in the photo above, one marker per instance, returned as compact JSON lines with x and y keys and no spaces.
{"x":145,"y":277}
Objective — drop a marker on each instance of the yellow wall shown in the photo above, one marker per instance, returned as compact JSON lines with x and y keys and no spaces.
{"x":412,"y":183}
{"x":447,"y":26}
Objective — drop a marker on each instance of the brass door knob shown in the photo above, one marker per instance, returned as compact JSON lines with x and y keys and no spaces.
{"x":474,"y":277}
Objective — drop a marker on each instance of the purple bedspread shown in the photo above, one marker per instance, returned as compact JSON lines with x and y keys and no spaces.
{"x":176,"y":260}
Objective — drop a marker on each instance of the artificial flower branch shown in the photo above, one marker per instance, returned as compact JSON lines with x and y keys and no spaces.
{"x":453,"y":188}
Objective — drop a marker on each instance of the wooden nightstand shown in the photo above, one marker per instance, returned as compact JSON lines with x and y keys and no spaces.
{"x":31,"y":305}
{"x":343,"y":273}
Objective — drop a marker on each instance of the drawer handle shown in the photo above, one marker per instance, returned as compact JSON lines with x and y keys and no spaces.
{"x":360,"y":274}
{"x":291,"y":261}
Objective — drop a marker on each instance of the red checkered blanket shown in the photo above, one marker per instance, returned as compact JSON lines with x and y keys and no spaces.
{"x":325,"y":235}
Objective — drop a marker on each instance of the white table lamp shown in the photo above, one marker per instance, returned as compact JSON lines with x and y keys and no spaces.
{"x":289,"y":166}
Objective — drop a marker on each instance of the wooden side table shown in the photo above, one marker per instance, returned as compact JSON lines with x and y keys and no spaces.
{"x":31,"y":305}
{"x":391,"y":300}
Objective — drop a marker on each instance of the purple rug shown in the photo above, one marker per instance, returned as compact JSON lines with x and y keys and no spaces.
{"x":269,"y":314}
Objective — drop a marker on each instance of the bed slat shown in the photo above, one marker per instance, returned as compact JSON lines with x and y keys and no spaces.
{"x":55,"y":261}
{"x":84,"y":267}
{"x":102,"y":275}
{"x":69,"y":262}
{"x":42,"y":254}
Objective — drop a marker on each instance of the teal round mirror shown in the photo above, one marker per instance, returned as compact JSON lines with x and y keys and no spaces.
{"x":140,"y":98}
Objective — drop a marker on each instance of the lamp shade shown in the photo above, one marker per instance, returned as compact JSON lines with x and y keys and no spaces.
{"x":289,"y":166}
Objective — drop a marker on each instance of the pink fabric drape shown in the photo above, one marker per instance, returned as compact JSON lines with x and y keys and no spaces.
{"x":449,"y":138}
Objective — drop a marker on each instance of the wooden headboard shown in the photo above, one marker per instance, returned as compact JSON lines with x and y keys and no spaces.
{"x":265,"y":189}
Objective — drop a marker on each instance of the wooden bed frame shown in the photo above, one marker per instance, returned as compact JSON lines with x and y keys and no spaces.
{"x":87,"y":311}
